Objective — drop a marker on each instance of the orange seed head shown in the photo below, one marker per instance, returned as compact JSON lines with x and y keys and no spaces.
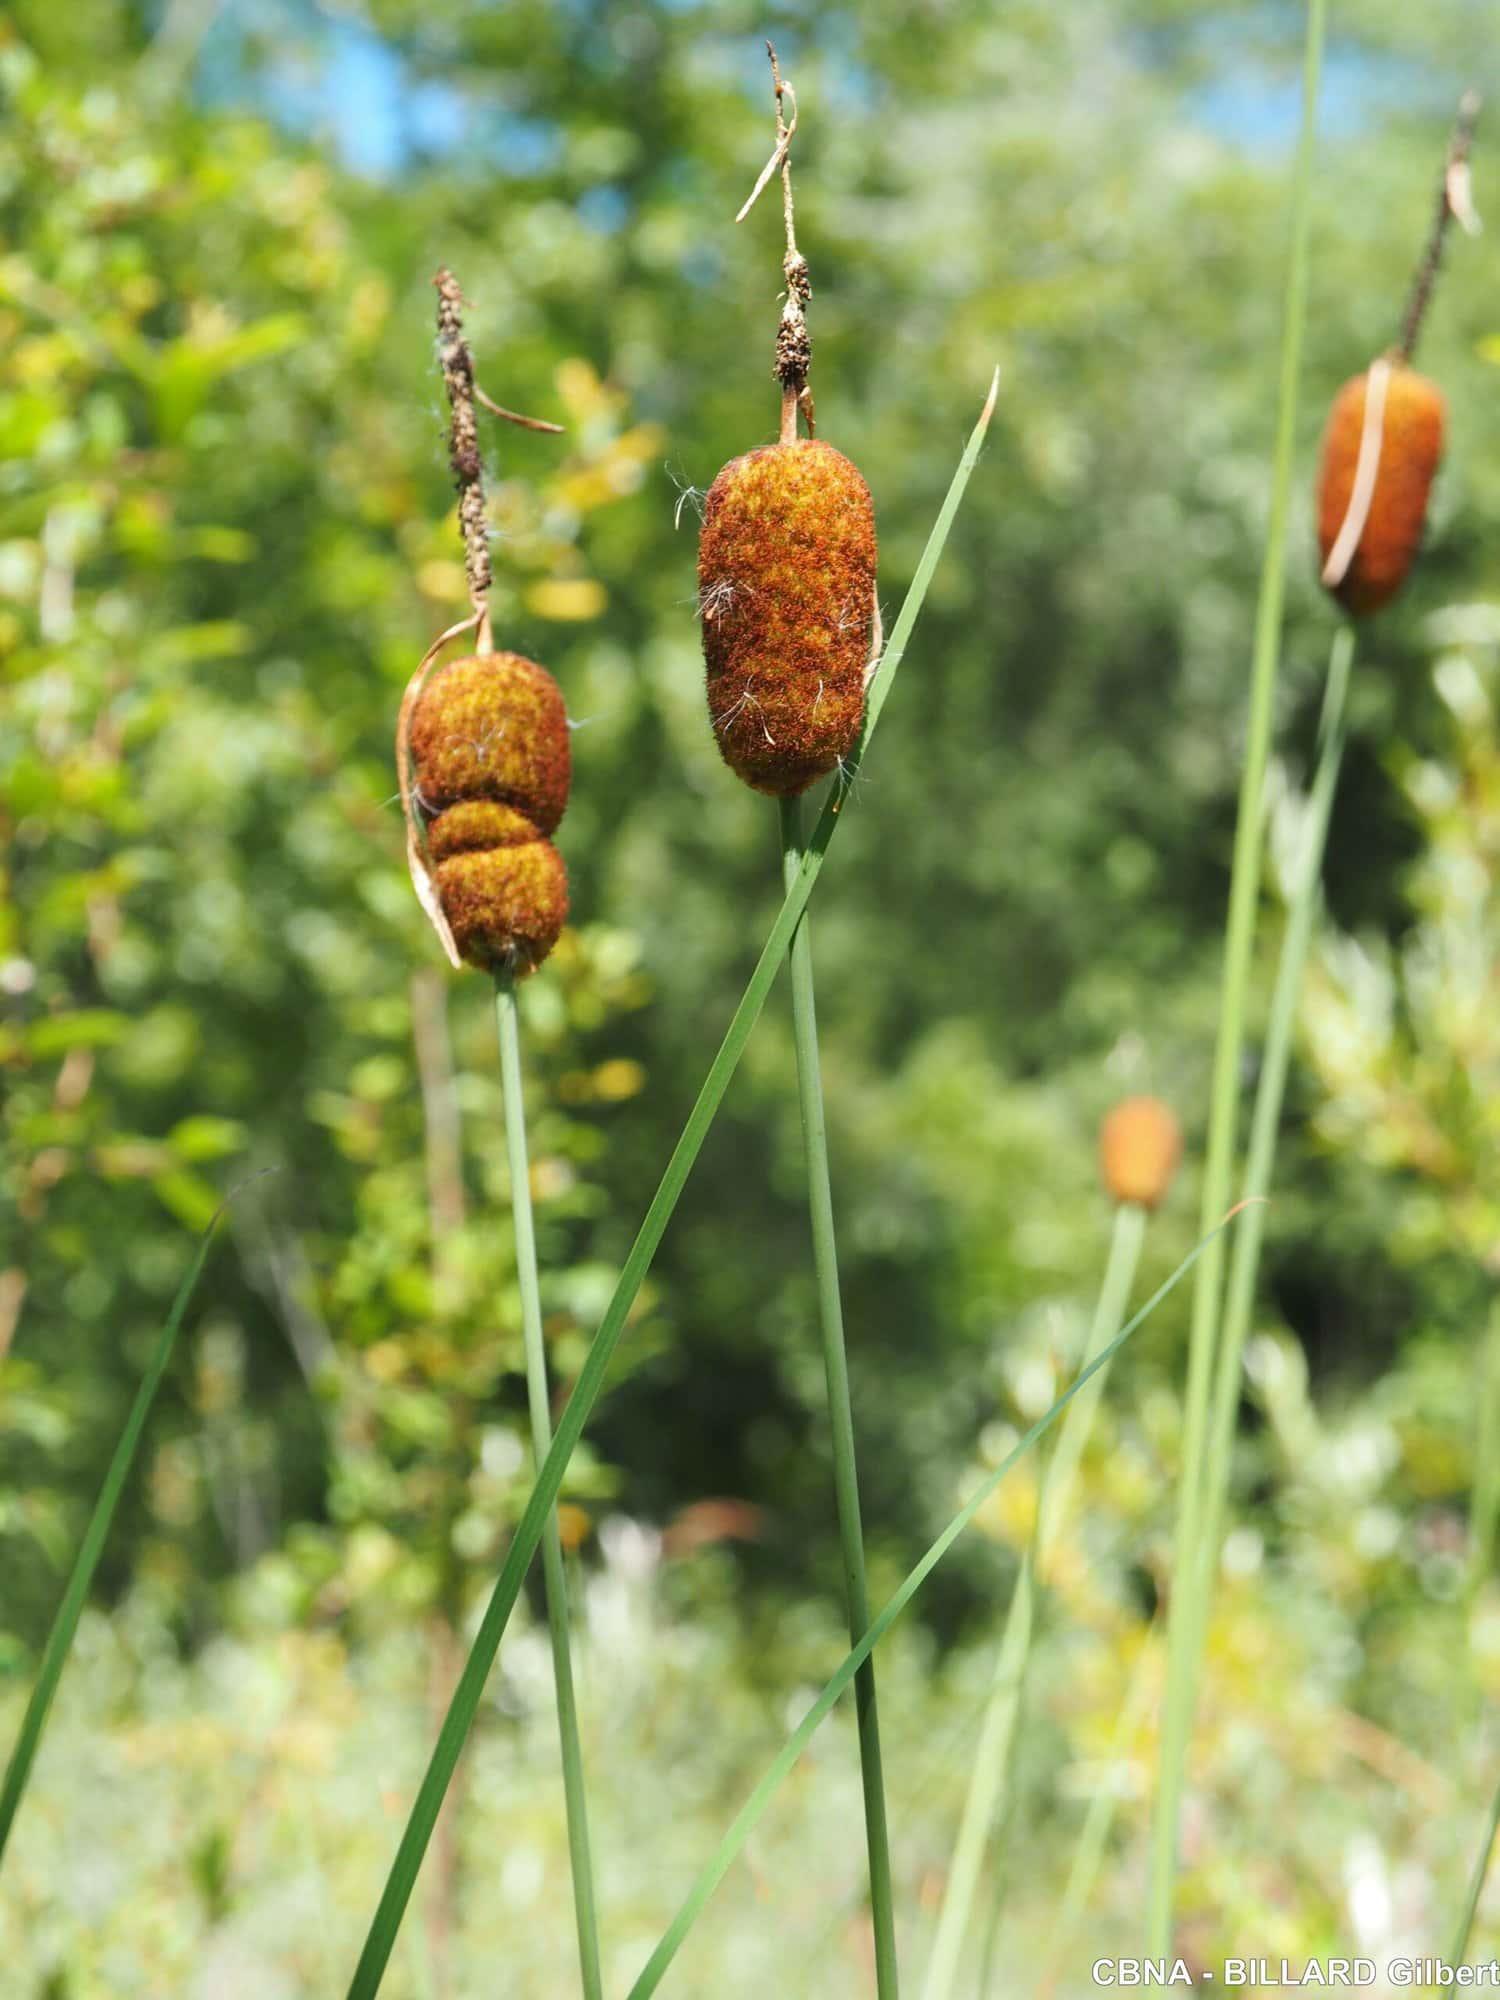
{"x":786,"y":576}
{"x":476,"y":824}
{"x":1411,"y":447}
{"x":504,"y":905}
{"x":1140,"y":1143}
{"x":493,"y":727}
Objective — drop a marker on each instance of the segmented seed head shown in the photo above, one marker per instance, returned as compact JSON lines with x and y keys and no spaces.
{"x":786,"y":576}
{"x":493,"y":728}
{"x":1140,"y":1143}
{"x":477,"y":824}
{"x":505,"y":905}
{"x":1411,"y":447}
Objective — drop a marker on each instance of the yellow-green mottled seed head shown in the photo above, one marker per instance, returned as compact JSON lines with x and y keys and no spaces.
{"x":493,"y":727}
{"x":786,"y":583}
{"x":505,"y":905}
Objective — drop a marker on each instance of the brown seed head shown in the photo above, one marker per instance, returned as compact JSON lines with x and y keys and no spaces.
{"x":476,"y":824}
{"x":493,"y":727}
{"x":786,"y":576}
{"x":1410,"y":449}
{"x":1140,"y":1143}
{"x":505,"y":905}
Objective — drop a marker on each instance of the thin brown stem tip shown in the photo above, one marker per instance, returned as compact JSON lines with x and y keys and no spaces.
{"x":784,"y":130}
{"x":1455,"y":203}
{"x":464,"y":394}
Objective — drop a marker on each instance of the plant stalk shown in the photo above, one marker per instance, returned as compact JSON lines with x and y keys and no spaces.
{"x":553,"y":1576}
{"x":994,"y":1757}
{"x":749,"y":1815}
{"x":1465,"y":1924}
{"x":1098,"y":1821}
{"x":1184,"y":1618}
{"x":840,"y":1409}
{"x":1485,"y":1506}
{"x":1265,"y":1119}
{"x":385,"y":1925}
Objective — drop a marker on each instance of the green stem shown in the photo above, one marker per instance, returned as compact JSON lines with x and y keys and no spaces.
{"x":992,"y":1761}
{"x":1265,"y":1119}
{"x":1486,"y":1502}
{"x":750,"y":1814}
{"x":982,"y":1803}
{"x":554,"y":1578}
{"x":396,"y":1894}
{"x":1476,"y":1883}
{"x":840,"y":1409}
{"x":1183,"y":1618}
{"x":1098,"y":1821}
{"x":65,"y":1624}
{"x":1114,"y":1296}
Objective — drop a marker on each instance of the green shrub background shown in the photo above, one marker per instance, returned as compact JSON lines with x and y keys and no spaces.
{"x":226,"y":537}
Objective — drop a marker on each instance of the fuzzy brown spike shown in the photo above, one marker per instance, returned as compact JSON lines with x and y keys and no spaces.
{"x":1410,"y":450}
{"x":786,"y":575}
{"x":491,"y":761}
{"x":506,"y":906}
{"x":493,"y":727}
{"x":476,"y":824}
{"x":482,"y":754}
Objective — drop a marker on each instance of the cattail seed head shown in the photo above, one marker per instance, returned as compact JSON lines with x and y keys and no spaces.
{"x":1140,"y":1143}
{"x":1410,"y":449}
{"x":488,"y":744}
{"x":786,"y":574}
{"x":505,"y":905}
{"x":493,"y":727}
{"x":475,"y":824}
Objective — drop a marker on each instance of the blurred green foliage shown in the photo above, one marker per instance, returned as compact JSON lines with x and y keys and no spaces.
{"x":226,"y":537}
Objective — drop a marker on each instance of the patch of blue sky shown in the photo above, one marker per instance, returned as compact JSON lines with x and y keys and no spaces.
{"x":362,"y":95}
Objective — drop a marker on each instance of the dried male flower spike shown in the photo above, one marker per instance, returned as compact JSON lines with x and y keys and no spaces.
{"x":786,"y":592}
{"x":1411,"y":447}
{"x":1140,"y":1143}
{"x":491,"y":764}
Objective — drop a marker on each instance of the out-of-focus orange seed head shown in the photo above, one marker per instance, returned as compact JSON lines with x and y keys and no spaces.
{"x":504,"y":905}
{"x":1411,"y":449}
{"x":493,"y":727}
{"x":1140,"y":1143}
{"x":786,"y":583}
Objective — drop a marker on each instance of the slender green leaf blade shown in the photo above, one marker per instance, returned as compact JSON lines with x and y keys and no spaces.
{"x":1470,"y":1909}
{"x":60,"y":1638}
{"x":754,"y":1807}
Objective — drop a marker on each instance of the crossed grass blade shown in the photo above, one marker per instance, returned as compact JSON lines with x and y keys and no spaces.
{"x":754,"y":1807}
